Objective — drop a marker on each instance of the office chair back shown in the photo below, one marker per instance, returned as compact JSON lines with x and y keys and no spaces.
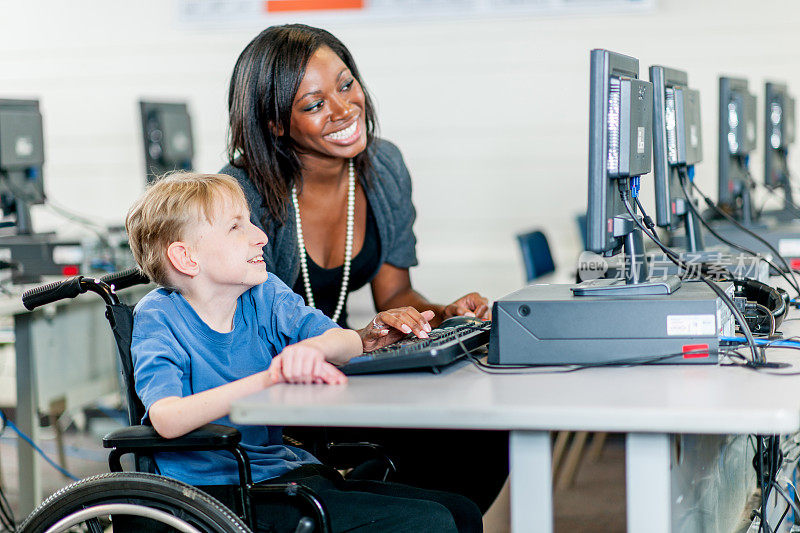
{"x":536,"y":254}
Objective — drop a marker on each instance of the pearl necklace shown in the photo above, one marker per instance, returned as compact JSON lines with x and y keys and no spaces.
{"x":348,"y":244}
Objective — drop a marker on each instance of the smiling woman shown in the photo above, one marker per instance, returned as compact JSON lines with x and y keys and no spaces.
{"x":335,"y":202}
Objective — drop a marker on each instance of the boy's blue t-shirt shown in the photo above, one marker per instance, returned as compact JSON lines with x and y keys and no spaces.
{"x":175,"y":353}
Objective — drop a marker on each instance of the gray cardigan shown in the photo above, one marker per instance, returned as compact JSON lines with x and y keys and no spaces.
{"x":389,"y":196}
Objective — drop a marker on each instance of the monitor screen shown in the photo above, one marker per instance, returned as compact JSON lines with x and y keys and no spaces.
{"x":737,"y":139}
{"x":677,"y":140}
{"x":778,"y":134}
{"x":620,"y":144}
{"x":167,"y":133}
{"x":21,"y":159}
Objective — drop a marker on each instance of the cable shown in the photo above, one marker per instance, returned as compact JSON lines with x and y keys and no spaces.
{"x":95,"y":228}
{"x":489,"y":368}
{"x":793,"y":208}
{"x":651,"y":226}
{"x":764,"y":526}
{"x":771,"y":318}
{"x":789,"y":203}
{"x":774,"y":343}
{"x":27,"y":439}
{"x":735,"y":222}
{"x":7,"y":520}
{"x":699,"y":217}
{"x":682,"y":264}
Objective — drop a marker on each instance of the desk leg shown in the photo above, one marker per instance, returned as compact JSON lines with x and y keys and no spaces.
{"x":27,"y":416}
{"x":531,"y":482}
{"x":647,"y":473}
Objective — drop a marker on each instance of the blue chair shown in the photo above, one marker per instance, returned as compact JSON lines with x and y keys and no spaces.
{"x":584,"y":231}
{"x":536,"y":254}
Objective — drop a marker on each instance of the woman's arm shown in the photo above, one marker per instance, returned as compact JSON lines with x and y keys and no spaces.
{"x":391,"y":288}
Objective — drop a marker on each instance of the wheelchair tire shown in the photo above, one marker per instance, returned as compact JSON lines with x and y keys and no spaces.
{"x":149,"y":495}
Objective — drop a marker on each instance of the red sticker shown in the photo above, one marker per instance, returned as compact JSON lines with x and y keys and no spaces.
{"x":692,"y":351}
{"x":794,"y":263}
{"x":69,"y":270}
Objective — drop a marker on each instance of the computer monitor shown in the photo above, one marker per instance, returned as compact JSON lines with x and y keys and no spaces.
{"x":778,"y":136}
{"x":167,"y":132}
{"x":620,"y":148}
{"x":21,"y":161}
{"x":677,"y":145}
{"x":737,"y":139}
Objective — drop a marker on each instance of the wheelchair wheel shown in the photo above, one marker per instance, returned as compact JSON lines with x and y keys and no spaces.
{"x":163,"y":503}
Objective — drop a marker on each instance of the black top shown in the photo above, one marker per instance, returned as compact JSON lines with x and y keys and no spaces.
{"x":326,"y":283}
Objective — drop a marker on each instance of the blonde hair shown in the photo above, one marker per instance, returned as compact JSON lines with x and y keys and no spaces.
{"x":168,"y":208}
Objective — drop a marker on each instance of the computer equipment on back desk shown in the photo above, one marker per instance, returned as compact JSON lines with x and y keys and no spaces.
{"x":444,"y":346}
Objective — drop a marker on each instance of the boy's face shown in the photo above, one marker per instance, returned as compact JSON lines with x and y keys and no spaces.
{"x":228,"y":249}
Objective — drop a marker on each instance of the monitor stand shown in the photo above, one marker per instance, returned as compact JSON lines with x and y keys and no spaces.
{"x":635,"y":281}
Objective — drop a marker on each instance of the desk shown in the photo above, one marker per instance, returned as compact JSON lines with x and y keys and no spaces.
{"x":63,"y":351}
{"x":650,"y":404}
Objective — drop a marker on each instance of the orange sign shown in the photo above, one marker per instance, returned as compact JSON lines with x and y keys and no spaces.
{"x":278,"y":6}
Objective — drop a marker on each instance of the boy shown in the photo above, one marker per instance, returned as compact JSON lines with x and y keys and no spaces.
{"x":221,"y":328}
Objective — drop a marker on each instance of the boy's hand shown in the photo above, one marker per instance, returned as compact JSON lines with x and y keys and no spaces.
{"x":304,"y":363}
{"x":392,"y":325}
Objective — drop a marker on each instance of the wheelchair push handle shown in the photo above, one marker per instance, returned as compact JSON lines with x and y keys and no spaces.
{"x":52,"y":292}
{"x":68,"y":288}
{"x":125,"y":278}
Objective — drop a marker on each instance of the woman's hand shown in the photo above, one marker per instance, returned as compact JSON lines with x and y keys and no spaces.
{"x":392,"y":325}
{"x":473,"y":304}
{"x":304,"y":363}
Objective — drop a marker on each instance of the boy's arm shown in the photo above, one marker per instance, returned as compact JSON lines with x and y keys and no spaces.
{"x":174,"y":416}
{"x":335,"y":345}
{"x":302,"y":361}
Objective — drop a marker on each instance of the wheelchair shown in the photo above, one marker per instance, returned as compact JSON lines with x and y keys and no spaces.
{"x":143,"y":494}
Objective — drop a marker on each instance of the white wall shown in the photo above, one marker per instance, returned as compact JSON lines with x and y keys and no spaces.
{"x":491,"y":114}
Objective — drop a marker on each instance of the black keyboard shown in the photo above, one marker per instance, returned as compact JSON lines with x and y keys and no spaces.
{"x":442,"y":347}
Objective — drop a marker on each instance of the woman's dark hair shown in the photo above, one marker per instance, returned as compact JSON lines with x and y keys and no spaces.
{"x":262,"y":90}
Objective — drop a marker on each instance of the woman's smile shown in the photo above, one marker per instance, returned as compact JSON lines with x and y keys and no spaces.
{"x":347,"y":135}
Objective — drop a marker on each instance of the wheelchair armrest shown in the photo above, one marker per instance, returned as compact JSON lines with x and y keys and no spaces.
{"x":145,"y":439}
{"x":350,"y":454}
{"x":302,"y":495}
{"x":364,"y":456}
